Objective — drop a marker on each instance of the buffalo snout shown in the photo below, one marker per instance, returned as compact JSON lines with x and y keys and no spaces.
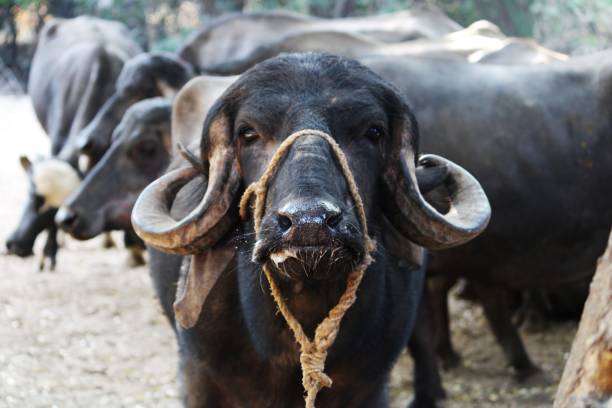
{"x":312,"y":222}
{"x":66,"y":219}
{"x":14,"y":246}
{"x":310,"y":229}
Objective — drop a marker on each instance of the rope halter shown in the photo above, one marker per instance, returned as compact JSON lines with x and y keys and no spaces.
{"x":312,"y":352}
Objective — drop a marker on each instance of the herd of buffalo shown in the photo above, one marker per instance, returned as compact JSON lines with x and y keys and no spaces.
{"x":479,"y":158}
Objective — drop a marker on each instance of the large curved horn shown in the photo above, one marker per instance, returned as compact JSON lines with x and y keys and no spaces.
{"x":209,"y":220}
{"x":469,"y":207}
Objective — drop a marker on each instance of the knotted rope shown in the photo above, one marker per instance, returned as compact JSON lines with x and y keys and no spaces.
{"x":312,"y":352}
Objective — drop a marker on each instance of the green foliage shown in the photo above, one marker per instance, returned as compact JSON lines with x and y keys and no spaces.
{"x":172,"y":42}
{"x":573,"y":26}
{"x":20,"y":3}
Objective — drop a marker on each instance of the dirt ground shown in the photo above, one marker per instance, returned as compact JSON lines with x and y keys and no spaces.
{"x":92,"y":334}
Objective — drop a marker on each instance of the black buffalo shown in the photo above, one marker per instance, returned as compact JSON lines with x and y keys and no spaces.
{"x":145,"y":76}
{"x":538,"y":138}
{"x":231,"y":38}
{"x":481,"y":42}
{"x":235,"y":348}
{"x":73,"y":72}
{"x":140,"y":151}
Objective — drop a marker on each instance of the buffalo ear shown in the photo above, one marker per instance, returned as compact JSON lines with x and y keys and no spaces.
{"x":25,"y":163}
{"x":188,"y":112}
{"x":170,"y":73}
{"x":191,"y":106}
{"x":204,"y":271}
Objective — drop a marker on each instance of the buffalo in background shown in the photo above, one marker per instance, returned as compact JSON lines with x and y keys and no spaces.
{"x":537,"y":138}
{"x":73,"y":72}
{"x":231,"y":38}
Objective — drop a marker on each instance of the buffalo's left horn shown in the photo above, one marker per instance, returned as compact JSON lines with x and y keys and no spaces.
{"x":469,"y":207}
{"x":209,"y":220}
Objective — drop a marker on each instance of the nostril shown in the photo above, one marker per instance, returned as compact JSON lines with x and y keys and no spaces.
{"x":284,"y":222}
{"x":333,"y":220}
{"x":66,"y":218}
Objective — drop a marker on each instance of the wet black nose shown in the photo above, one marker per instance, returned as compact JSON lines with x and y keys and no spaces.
{"x":311,"y":223}
{"x":66,"y":218}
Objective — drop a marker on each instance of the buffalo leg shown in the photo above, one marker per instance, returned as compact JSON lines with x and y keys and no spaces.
{"x":165,"y":270}
{"x":428,"y":388}
{"x":135,"y":247}
{"x":530,"y":315}
{"x":50,"y":249}
{"x":497,"y":311}
{"x":438,"y":288}
{"x":108,"y":241}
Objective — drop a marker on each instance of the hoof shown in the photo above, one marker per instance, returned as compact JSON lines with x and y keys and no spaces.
{"x":108,"y":241}
{"x":426,"y":403}
{"x":531,"y":376}
{"x":46,"y":263}
{"x":135,"y":259}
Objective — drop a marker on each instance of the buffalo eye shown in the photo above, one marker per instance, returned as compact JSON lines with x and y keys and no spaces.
{"x":147,"y":148}
{"x":375,"y":133}
{"x":248,"y":134}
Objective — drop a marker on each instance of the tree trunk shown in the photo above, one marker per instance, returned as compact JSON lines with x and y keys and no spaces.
{"x":587,"y":378}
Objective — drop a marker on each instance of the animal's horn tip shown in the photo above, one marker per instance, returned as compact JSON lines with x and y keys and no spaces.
{"x":190,"y":157}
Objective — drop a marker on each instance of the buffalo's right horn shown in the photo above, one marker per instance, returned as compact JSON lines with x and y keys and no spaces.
{"x":468,"y":215}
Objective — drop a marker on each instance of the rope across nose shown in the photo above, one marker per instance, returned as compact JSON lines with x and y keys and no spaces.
{"x":313,"y":353}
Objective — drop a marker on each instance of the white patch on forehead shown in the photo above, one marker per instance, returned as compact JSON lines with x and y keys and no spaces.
{"x":281,"y":256}
{"x":54,"y":180}
{"x":165,"y":89}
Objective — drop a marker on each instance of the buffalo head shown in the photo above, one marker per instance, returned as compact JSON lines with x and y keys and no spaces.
{"x":145,"y":76}
{"x":51,"y":182}
{"x":309,"y":227}
{"x":139,"y":152}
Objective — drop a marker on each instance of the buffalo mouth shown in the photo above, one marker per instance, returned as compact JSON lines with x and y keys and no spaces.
{"x":323,"y":262}
{"x":83,"y":229}
{"x":14,"y":248}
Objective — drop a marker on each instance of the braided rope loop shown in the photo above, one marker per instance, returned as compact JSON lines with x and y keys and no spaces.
{"x":313,"y":353}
